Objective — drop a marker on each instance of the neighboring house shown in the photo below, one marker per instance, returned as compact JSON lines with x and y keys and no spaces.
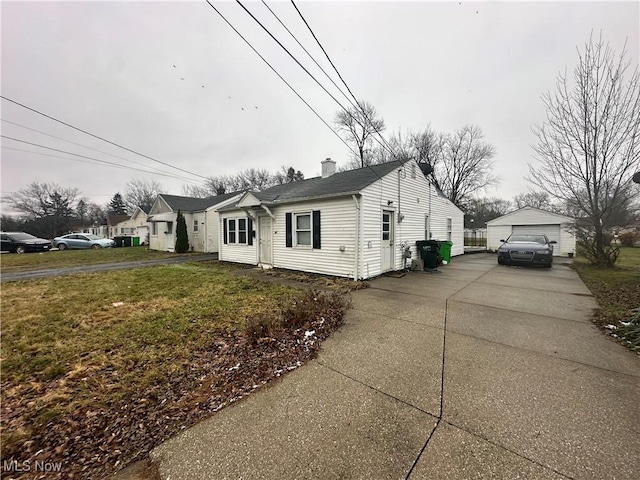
{"x":200,"y":216}
{"x":348,"y":224}
{"x":533,"y":220}
{"x":135,"y":226}
{"x":110,"y":228}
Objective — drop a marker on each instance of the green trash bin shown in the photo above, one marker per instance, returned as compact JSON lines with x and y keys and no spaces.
{"x":445,"y":250}
{"x":136,"y":241}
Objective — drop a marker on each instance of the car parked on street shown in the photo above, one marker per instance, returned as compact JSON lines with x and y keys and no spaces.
{"x":526,"y":249}
{"x":21,"y":242}
{"x":82,"y":240}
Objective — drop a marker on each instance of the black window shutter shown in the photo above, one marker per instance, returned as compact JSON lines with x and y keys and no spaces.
{"x":288,"y":229}
{"x":316,"y":229}
{"x":250,"y":231}
{"x":224,"y":233}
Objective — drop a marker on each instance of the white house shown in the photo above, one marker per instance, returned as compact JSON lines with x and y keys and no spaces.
{"x":135,"y":226}
{"x":200,"y":216}
{"x":533,"y":220}
{"x":348,"y":224}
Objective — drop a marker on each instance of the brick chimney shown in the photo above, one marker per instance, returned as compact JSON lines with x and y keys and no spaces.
{"x":328,"y":168}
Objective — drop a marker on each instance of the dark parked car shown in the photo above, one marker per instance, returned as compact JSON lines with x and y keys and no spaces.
{"x":82,"y":240}
{"x":21,"y":242}
{"x":521,"y":249}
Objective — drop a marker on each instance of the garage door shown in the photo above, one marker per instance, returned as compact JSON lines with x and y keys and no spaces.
{"x":551,"y":231}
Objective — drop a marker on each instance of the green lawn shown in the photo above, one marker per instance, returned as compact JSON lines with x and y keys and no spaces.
{"x":11,"y":262}
{"x":617,"y":291}
{"x":71,"y":350}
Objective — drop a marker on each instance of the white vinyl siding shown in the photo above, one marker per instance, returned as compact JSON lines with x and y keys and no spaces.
{"x":337,"y":227}
{"x":339,"y":218}
{"x":417,"y":200}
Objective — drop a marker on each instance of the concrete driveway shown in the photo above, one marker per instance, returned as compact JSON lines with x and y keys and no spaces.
{"x":481,"y":371}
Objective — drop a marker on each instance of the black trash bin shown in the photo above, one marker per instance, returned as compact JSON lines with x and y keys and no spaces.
{"x":429,"y":252}
{"x":119,"y":241}
{"x":127,"y":241}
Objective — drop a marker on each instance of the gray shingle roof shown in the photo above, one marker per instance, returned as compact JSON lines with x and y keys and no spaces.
{"x":190,"y":204}
{"x":339,"y":183}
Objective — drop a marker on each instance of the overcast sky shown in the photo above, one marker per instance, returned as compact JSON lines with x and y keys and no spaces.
{"x":173,"y":81}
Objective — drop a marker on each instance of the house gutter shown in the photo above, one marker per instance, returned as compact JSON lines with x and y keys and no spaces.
{"x":357,"y":249}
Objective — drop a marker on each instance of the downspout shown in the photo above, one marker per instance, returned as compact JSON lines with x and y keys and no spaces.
{"x":429,"y":220}
{"x":357,"y":249}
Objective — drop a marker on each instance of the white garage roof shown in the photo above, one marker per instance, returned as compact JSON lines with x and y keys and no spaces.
{"x":530,"y":216}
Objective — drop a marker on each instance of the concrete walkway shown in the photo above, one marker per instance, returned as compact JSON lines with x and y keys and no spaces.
{"x":481,"y":371}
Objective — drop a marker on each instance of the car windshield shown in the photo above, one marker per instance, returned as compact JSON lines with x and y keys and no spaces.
{"x":527,"y":239}
{"x":22,"y":236}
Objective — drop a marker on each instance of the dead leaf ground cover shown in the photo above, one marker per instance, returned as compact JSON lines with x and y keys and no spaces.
{"x":617,"y":291}
{"x":95,"y":386}
{"x":10,"y":263}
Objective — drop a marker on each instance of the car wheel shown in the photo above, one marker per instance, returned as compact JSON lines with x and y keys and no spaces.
{"x":62,"y":246}
{"x":20,"y":249}
{"x":95,"y":247}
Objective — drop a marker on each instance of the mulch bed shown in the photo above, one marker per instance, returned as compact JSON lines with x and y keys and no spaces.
{"x":94,"y":443}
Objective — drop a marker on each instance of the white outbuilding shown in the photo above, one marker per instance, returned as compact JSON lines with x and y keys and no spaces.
{"x":533,"y":220}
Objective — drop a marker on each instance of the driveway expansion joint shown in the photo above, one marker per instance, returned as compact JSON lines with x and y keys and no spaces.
{"x":555,"y":357}
{"x":377,"y":390}
{"x":495,"y":444}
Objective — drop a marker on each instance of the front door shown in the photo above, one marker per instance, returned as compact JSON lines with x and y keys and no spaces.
{"x":170,"y":243}
{"x":387,"y":258}
{"x":265,"y":251}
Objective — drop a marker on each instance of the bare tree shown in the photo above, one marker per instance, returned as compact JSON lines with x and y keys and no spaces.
{"x":541,"y":200}
{"x":141,"y":193}
{"x":428,"y":146}
{"x":359,"y":125}
{"x":48,"y":202}
{"x":463,"y":165}
{"x":480,"y":210}
{"x":589,"y":146}
{"x":287,"y":175}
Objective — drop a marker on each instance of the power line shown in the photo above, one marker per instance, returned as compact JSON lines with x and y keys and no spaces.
{"x":100,"y":138}
{"x":309,"y":55}
{"x":84,"y":156}
{"x":84,"y":146}
{"x":336,"y":70}
{"x":302,"y":66}
{"x":282,"y":78}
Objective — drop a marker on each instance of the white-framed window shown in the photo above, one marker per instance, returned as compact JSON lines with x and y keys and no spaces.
{"x":237,"y":231}
{"x":195,"y":226}
{"x":302,"y":229}
{"x":231,"y":232}
{"x":413,"y":170}
{"x":242,"y":231}
{"x":449,"y":228}
{"x":169,"y":228}
{"x":386,"y":226}
{"x":154,"y":228}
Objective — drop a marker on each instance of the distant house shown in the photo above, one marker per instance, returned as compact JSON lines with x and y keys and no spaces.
{"x":200,"y":215}
{"x":348,"y":224}
{"x":110,"y":228}
{"x":533,"y":220}
{"x":135,"y":226}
